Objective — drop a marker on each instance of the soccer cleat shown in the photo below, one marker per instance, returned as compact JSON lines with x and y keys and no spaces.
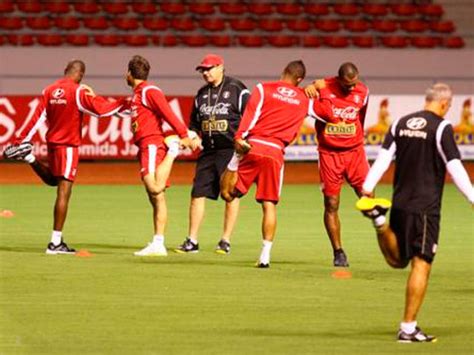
{"x":187,"y":247}
{"x":261,"y":265}
{"x":62,"y":248}
{"x":18,"y":151}
{"x":373,"y":207}
{"x":223,"y":247}
{"x":152,"y":249}
{"x":416,"y":337}
{"x":340,"y":258}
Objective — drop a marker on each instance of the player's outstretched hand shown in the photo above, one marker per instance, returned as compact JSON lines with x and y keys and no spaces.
{"x":89,"y":90}
{"x":311,"y":91}
{"x":241,"y":146}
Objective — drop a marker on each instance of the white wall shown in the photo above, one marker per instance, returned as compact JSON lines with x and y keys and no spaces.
{"x":409,"y":71}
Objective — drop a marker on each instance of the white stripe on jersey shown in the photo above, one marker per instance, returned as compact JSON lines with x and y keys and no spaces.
{"x":261,"y":141}
{"x":79,"y":103}
{"x":312,"y":113}
{"x":144,"y":90}
{"x":242,"y":93}
{"x":69,"y":158}
{"x":258,"y":112}
{"x":37,"y":125}
{"x":152,"y":158}
{"x":439,"y":135}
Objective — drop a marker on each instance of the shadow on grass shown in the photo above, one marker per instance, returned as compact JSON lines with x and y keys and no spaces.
{"x":32,"y":250}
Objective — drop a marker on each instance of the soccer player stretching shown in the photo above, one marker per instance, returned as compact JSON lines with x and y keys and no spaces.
{"x":149,"y":109}
{"x":62,"y":107}
{"x":341,"y":146}
{"x":424,"y":147}
{"x":273,"y":116}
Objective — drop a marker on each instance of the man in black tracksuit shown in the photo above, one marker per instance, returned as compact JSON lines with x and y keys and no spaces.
{"x":218,"y":108}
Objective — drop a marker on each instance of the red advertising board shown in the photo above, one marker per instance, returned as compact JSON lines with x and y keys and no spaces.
{"x":103,"y":138}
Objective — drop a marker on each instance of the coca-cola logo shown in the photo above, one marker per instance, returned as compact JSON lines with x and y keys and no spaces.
{"x":346,"y":113}
{"x":58,"y":93}
{"x":286,"y":91}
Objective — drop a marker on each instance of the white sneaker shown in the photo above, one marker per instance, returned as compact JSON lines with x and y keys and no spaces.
{"x":152,"y":249}
{"x":173,"y":143}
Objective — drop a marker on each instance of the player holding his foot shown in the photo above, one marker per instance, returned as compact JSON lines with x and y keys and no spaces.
{"x":217,"y":110}
{"x":149,"y":109}
{"x":424,"y":147}
{"x":62,"y":107}
{"x":341,"y":146}
{"x":274,"y":114}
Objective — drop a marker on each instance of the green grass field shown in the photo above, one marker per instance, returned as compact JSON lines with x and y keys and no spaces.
{"x":115,"y":303}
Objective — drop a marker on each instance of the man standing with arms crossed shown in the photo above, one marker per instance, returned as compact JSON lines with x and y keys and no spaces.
{"x":62,"y":107}
{"x":149,"y":109}
{"x":218,"y":107}
{"x":341,"y":146}
{"x":424,"y":147}
{"x":274,"y":114}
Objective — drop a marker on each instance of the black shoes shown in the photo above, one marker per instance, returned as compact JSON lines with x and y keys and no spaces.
{"x":62,"y":248}
{"x":416,"y":337}
{"x":340,"y":258}
{"x":223,"y":247}
{"x":187,"y":247}
{"x":18,"y":151}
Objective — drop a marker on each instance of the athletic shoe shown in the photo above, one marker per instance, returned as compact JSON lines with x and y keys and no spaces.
{"x":340,"y":259}
{"x":152,"y":249}
{"x":187,"y":247}
{"x":373,"y":207}
{"x":173,"y":143}
{"x":223,"y":247}
{"x":18,"y":151}
{"x":416,"y":337}
{"x":262,"y":265}
{"x":62,"y":248}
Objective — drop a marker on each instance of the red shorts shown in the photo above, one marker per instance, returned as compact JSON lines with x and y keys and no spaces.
{"x":63,"y":161}
{"x":334,"y":167}
{"x":264,"y":166}
{"x":151,"y":153}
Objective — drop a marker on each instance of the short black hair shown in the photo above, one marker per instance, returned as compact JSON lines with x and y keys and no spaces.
{"x":348,"y":70}
{"x":295,"y":69}
{"x":75,"y":65}
{"x":139,"y":67}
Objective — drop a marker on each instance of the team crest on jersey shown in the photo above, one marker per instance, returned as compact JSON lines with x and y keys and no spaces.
{"x":226,"y":94}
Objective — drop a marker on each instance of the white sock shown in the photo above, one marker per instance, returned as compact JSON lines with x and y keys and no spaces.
{"x":193,"y":240}
{"x":30,"y":158}
{"x":379,"y":221}
{"x":265,"y":254}
{"x":408,"y":327}
{"x":158,"y":239}
{"x":56,"y":237}
{"x":234,"y":162}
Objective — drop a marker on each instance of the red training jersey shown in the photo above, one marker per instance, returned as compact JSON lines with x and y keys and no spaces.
{"x":149,"y":110}
{"x":274,"y":114}
{"x":344,"y":129}
{"x":62,"y":107}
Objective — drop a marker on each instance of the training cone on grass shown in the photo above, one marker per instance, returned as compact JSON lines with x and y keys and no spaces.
{"x":83,"y":253}
{"x":7,"y":214}
{"x":341,"y":274}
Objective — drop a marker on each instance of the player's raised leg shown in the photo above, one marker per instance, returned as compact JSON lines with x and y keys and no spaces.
{"x":230,"y":218}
